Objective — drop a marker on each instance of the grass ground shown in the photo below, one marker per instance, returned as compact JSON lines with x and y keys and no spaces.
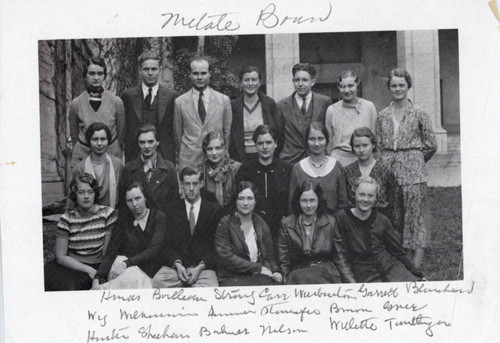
{"x":443,"y":256}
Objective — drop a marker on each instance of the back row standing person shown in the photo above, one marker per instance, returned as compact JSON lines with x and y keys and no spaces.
{"x":150,"y":103}
{"x":95,"y":105}
{"x":198,"y":112}
{"x":298,"y":111}
{"x":346,"y":115}
{"x":251,"y":109}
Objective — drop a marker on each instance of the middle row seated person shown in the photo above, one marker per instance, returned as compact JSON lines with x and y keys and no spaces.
{"x":250,"y":110}
{"x":219,"y":170}
{"x":158,"y":175}
{"x":271,"y":177}
{"x":150,"y":103}
{"x":298,"y":111}
{"x":133,"y":254}
{"x":197,"y":112}
{"x":189,"y":253}
{"x":245,"y":253}
{"x":320,"y":169}
{"x":311,"y":250}
{"x":106,"y":169}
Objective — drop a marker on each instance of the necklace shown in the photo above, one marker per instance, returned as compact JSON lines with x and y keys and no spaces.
{"x":97,"y":163}
{"x":317,"y":166}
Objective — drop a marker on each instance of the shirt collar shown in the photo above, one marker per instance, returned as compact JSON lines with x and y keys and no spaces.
{"x":307,"y":97}
{"x":196,"y":205}
{"x":145,"y":89}
{"x":196,"y":93}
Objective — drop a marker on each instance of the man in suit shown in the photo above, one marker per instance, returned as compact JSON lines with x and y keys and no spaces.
{"x":198,"y":112}
{"x":158,"y":175}
{"x":300,"y":109}
{"x":150,"y":103}
{"x":189,"y":258}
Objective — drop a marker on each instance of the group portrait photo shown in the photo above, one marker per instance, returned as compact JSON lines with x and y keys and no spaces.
{"x":247,"y":160}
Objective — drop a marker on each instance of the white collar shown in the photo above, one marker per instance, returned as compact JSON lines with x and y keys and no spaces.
{"x":306,"y":167}
{"x":154,"y":89}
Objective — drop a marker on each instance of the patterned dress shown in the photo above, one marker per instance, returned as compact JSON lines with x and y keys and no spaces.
{"x":407,"y":153}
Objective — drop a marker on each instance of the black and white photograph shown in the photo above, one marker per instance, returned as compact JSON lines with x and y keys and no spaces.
{"x":211,"y":173}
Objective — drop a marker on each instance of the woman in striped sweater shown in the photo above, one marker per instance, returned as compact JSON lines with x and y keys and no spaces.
{"x":81,"y":238}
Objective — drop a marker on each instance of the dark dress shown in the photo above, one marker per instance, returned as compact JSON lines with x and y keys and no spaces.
{"x":272,"y":182}
{"x":374,"y":249}
{"x":142,"y":248}
{"x":322,"y":260}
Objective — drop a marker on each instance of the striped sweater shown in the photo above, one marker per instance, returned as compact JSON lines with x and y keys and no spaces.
{"x":86,"y":235}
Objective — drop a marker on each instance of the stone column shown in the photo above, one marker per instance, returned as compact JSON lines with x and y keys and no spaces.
{"x":282,"y":53}
{"x":418,"y":53}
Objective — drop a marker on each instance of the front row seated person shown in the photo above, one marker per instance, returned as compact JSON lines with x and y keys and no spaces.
{"x":372,"y":244}
{"x":81,"y":238}
{"x":133,"y":255}
{"x":189,"y":252}
{"x":157,"y":175}
{"x":245,"y":254}
{"x":311,"y":250}
{"x":106,"y":169}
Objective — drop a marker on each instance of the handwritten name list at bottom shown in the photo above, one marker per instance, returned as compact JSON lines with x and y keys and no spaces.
{"x":186,"y":314}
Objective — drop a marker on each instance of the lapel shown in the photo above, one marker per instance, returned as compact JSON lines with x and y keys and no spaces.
{"x":158,"y":175}
{"x":201,"y":218}
{"x":235,"y":224}
{"x":162,"y":102}
{"x":191,"y":109}
{"x":237,"y":131}
{"x":183,"y":219}
{"x":138,"y":233}
{"x":137,"y":101}
{"x":213,"y":106}
{"x":295,"y":114}
{"x":320,"y":225}
{"x":315,"y":107}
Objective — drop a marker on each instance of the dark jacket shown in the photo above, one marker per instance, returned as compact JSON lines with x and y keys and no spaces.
{"x":162,"y":189}
{"x":191,"y":249}
{"x":374,"y":249}
{"x":269,"y":116}
{"x":232,"y":251}
{"x":272,"y":182}
{"x":133,"y":99}
{"x":293,"y":124}
{"x":141,"y":247}
{"x":327,"y":247}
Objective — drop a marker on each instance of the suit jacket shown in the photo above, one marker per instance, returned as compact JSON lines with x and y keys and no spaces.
{"x":269,"y":116}
{"x":191,"y":249}
{"x":294,"y":128}
{"x":162,"y":189}
{"x":133,"y":99}
{"x":232,"y":251}
{"x":189,"y":130}
{"x":141,"y":247}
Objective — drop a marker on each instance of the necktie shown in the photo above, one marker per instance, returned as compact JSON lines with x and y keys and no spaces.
{"x":201,"y":108}
{"x":192,"y":220}
{"x":303,"y":108}
{"x":149,"y":97}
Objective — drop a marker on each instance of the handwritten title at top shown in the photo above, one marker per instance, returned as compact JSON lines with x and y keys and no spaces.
{"x":269,"y":17}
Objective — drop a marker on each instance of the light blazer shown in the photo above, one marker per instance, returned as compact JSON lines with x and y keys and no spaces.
{"x":133,"y":99}
{"x":294,"y":128}
{"x":237,"y":151}
{"x":189,"y":130}
{"x":191,"y":249}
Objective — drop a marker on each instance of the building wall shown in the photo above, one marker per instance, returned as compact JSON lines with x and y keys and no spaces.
{"x":449,"y":74}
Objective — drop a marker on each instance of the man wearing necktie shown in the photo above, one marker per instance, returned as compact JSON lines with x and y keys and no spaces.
{"x":157,"y":174}
{"x":189,"y":258}
{"x":150,"y":103}
{"x":298,"y":110}
{"x":197,"y":112}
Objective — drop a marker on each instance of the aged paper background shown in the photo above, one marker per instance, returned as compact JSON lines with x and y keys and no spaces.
{"x":33,"y":316}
